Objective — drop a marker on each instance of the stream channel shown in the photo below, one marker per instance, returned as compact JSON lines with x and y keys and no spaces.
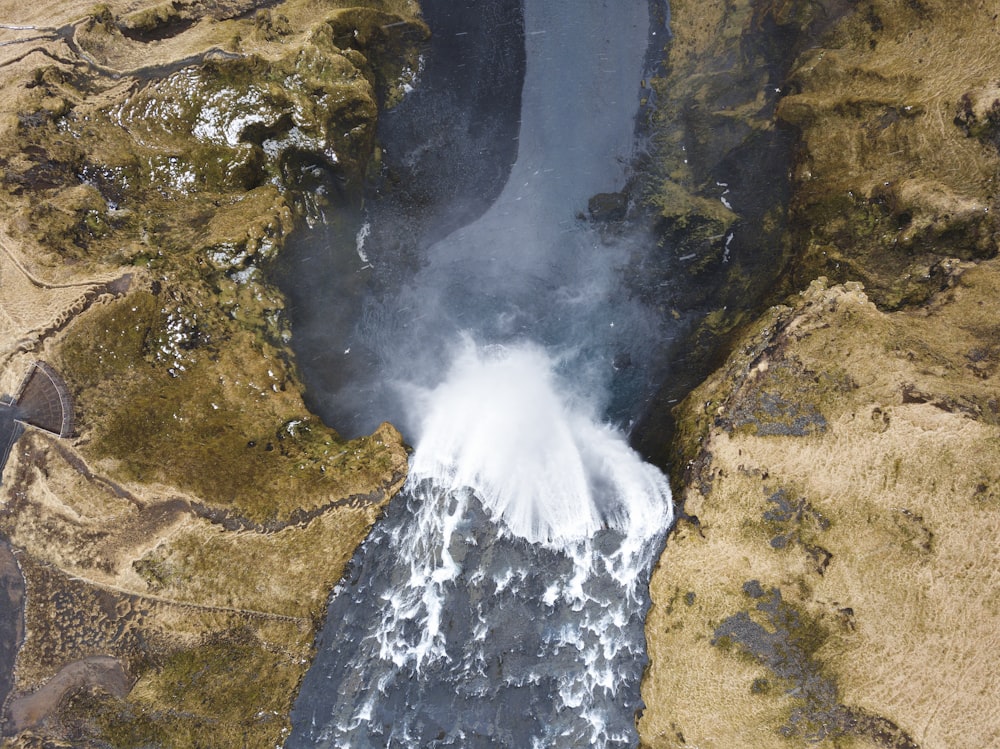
{"x":11,"y":619}
{"x":473,"y":302}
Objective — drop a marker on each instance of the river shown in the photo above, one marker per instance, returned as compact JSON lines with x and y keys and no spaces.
{"x":501,"y":601}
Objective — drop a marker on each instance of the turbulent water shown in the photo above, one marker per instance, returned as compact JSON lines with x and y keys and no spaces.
{"x":501,"y":601}
{"x":533,"y":452}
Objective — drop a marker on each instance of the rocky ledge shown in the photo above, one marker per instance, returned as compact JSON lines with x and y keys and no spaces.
{"x":184,"y":540}
{"x":831,"y":581}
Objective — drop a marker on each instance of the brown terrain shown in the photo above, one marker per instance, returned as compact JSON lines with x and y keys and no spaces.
{"x":832,"y":579}
{"x":183,"y":541}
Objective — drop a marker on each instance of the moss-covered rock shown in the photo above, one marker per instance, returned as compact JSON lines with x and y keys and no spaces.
{"x":815,"y":138}
{"x":719,"y":179}
{"x":822,"y":587}
{"x":896,"y":167}
{"x":187,"y":537}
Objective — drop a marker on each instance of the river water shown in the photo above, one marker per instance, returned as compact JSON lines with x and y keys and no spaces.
{"x":501,"y":601}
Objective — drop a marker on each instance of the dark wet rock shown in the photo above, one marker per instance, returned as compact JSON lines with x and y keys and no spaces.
{"x":771,"y":414}
{"x":785,"y":642}
{"x":720,"y":182}
{"x":11,"y":620}
{"x":608,"y":206}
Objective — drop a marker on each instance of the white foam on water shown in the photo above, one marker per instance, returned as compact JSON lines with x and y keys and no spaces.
{"x":411,"y":637}
{"x":506,"y":426}
{"x":424,"y":546}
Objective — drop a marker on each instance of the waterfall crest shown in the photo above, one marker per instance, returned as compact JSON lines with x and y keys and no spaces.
{"x":505,"y":425}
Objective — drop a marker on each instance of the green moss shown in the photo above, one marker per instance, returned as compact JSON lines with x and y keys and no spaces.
{"x":760,"y":686}
{"x":195,"y":139}
{"x":230,"y":691}
{"x":694,"y":227}
{"x":211,"y":123}
{"x":111,"y":342}
{"x":148,"y":20}
{"x":847,"y":237}
{"x":792,"y":523}
{"x":179,"y":432}
{"x":269,"y":26}
{"x":101,"y":14}
{"x":172,"y":395}
{"x":156,"y":571}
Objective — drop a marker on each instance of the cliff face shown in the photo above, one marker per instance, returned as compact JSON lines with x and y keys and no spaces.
{"x":184,"y":541}
{"x":830,"y":582}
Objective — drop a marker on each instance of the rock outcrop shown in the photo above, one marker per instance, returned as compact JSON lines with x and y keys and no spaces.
{"x":829,"y":583}
{"x":829,"y":578}
{"x":185,"y":539}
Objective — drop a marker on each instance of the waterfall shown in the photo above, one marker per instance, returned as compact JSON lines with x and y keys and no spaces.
{"x":453,"y":629}
{"x":501,"y":601}
{"x":504,"y":426}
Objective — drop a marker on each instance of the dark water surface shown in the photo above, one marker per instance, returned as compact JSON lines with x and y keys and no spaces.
{"x":449,"y":147}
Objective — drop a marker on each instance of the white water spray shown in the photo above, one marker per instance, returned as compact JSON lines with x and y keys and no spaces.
{"x":504,"y":424}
